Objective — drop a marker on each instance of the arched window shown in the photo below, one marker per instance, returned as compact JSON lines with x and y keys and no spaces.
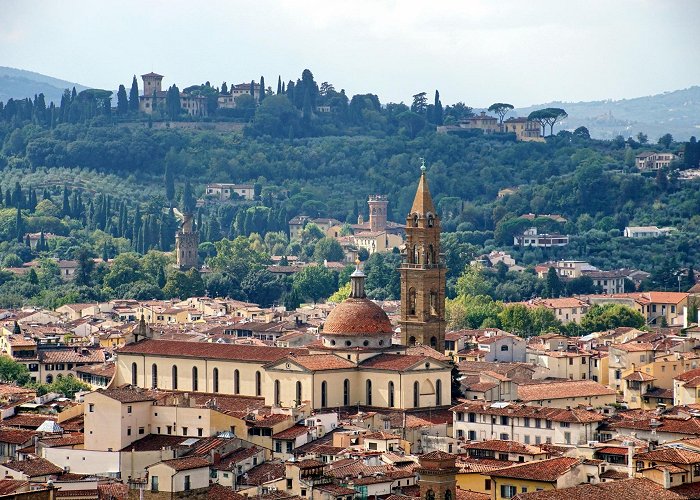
{"x":431,"y":255}
{"x":195,"y":379}
{"x":215,"y":380}
{"x":324,"y":394}
{"x":433,"y":303}
{"x":346,"y":392}
{"x":416,"y":395}
{"x":258,"y":384}
{"x":416,"y":257}
{"x":173,"y":375}
{"x":431,"y":220}
{"x":448,"y":495}
{"x":134,"y":374}
{"x":433,"y":342}
{"x":154,"y":375}
{"x":391,"y":394}
{"x":415,"y":220}
{"x":411,"y":340}
{"x":504,"y":348}
{"x":298,"y":392}
{"x":412,"y":301}
{"x":236,"y":382}
{"x":430,"y":495}
{"x":277,"y":392}
{"x":438,"y":392}
{"x":368,"y":392}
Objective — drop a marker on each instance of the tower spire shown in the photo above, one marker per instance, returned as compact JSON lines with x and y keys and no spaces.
{"x":423,"y":202}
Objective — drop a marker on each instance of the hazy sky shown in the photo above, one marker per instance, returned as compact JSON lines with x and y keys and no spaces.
{"x":475,"y":51}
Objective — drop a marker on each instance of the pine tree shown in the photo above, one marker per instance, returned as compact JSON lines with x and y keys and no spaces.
{"x":134,"y":96}
{"x":122,"y":101}
{"x":262,"y":89}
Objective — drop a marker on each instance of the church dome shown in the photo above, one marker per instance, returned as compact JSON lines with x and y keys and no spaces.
{"x":357,"y":317}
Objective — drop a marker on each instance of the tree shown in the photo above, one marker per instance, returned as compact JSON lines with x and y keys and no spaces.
{"x":172,"y":102}
{"x":547,"y":116}
{"x":279,"y":84}
{"x":554,"y":286}
{"x":314,"y":283}
{"x":13,"y":372}
{"x":610,"y":316}
{"x":437,"y":109}
{"x":122,"y":101}
{"x":420,"y":103}
{"x":262,"y":287}
{"x":501,"y":109}
{"x":262,"y":90}
{"x":169,"y":180}
{"x":188,"y":203}
{"x":184,"y":285}
{"x":328,"y":249}
{"x":85,"y":269}
{"x":19,"y":226}
{"x":134,"y":96}
{"x":582,"y":133}
{"x":666,"y":140}
{"x":68,"y":386}
{"x":642,"y":138}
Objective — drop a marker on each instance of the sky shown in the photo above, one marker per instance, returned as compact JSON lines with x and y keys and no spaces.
{"x":474,"y":51}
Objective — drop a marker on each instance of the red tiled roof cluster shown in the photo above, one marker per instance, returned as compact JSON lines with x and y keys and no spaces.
{"x":558,"y":390}
{"x":186,"y":463}
{"x":627,"y":489}
{"x":34,"y":467}
{"x":209,"y":350}
{"x":539,"y":470}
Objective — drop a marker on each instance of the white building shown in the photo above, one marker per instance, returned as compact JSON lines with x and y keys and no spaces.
{"x":531,"y":238}
{"x":225,"y":191}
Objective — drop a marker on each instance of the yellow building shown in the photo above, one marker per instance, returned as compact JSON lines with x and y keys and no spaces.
{"x":541,"y":475}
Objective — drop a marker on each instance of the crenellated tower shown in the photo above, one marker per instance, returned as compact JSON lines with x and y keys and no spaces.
{"x":187,"y":245}
{"x":423,"y":274}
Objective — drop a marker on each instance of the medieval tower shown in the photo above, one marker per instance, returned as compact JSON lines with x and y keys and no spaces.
{"x":377,"y":212}
{"x":187,"y":245}
{"x":423,"y":274}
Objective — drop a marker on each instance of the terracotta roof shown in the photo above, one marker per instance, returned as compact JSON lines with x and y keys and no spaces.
{"x":154,"y":442}
{"x":634,"y":346}
{"x":670,"y":455}
{"x":231,"y":459}
{"x":83,"y":355}
{"x":33,"y":467}
{"x":128,"y":394}
{"x":437,"y":455}
{"x":357,"y":317}
{"x":468,"y":464}
{"x":539,"y":470}
{"x":625,"y":489}
{"x":319,"y":362}
{"x":614,"y":474}
{"x":106,"y":370}
{"x":237,"y":352}
{"x":574,"y":415}
{"x":27,"y":420}
{"x":63,"y":440}
{"x":336,"y":490}
{"x":264,"y":473}
{"x":8,"y":486}
{"x":688,"y":425}
{"x":292,"y":433}
{"x":394,"y":362}
{"x":612,"y":450}
{"x":561,"y":303}
{"x":461,"y":494}
{"x":186,"y":463}
{"x":558,"y":390}
{"x":15,"y":436}
{"x":639,"y":377}
{"x":113,"y":491}
{"x":381,"y":435}
{"x":427,"y":351}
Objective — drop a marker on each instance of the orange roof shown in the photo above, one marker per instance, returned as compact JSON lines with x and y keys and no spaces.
{"x":558,"y":390}
{"x":423,"y":202}
{"x":540,"y":470}
{"x":357,"y":317}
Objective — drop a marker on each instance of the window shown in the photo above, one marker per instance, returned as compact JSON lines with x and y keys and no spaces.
{"x":289,"y":484}
{"x":368,"y":392}
{"x":526,"y":421}
{"x":278,"y":447}
{"x":200,"y":431}
{"x":565,"y":424}
{"x":471,"y":435}
{"x":372,"y":446}
{"x":154,"y":376}
{"x":567,"y":437}
{"x":236,"y":382}
{"x":188,"y":484}
{"x":438,"y":392}
{"x":277,"y":393}
{"x":195,"y":377}
{"x":504,"y":437}
{"x":416,"y":395}
{"x":174,"y":377}
{"x":91,"y":407}
{"x":487,"y":484}
{"x":538,"y":423}
{"x":134,"y":374}
{"x":258,"y":384}
{"x":142,"y":430}
{"x":548,"y":424}
{"x":346,"y":392}
{"x":298,"y":394}
{"x":184,"y":431}
{"x":471,"y":417}
{"x":215,"y":380}
{"x":508,"y":491}
{"x":391,"y":394}
{"x":324,"y":394}
{"x":170,"y":429}
{"x":504,"y":420}
{"x":504,"y":348}
{"x":128,"y":409}
{"x":154,"y":483}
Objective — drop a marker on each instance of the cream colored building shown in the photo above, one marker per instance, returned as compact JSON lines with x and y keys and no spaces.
{"x":355,"y":363}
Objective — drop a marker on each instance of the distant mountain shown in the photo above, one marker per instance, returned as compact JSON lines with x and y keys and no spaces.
{"x":677,"y":113}
{"x":18,"y":84}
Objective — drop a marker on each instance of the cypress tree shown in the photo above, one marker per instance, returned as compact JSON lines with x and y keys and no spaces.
{"x":66,"y":203}
{"x":16,"y":329}
{"x":32,"y":200}
{"x":134,"y":96}
{"x":262,"y":89}
{"x":33,"y":278}
{"x":8,"y":198}
{"x":105,"y":253}
{"x":279,"y":84}
{"x":122,"y":101}
{"x":41,"y":246}
{"x":169,"y":182}
{"x":17,"y":196}
{"x":437,"y":110}
{"x":252,"y":89}
{"x":46,"y":195}
{"x":188,"y":202}
{"x":160,"y":277}
{"x":19,"y":225}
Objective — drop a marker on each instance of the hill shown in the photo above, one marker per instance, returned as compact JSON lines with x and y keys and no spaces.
{"x":676,"y":112}
{"x":18,"y":84}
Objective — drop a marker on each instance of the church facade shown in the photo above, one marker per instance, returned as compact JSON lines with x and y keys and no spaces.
{"x":352,"y":363}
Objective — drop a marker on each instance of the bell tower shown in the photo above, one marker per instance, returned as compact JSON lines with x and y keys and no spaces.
{"x":423,"y":274}
{"x":187,"y":245}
